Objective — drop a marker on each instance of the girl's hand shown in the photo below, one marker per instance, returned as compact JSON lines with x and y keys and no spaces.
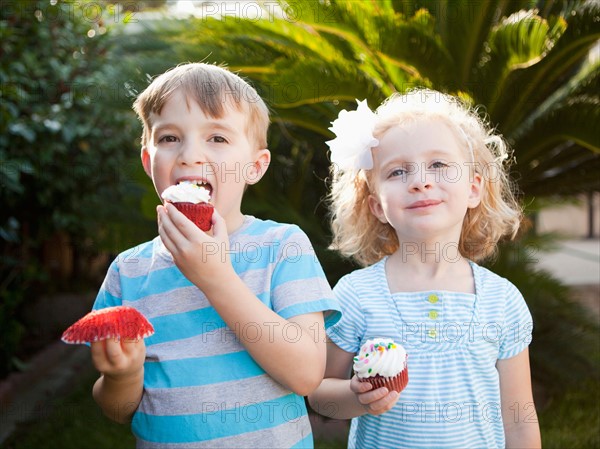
{"x":376,"y":401}
{"x":119,"y":359}
{"x":202,"y":258}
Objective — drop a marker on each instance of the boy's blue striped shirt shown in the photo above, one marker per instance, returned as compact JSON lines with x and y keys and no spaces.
{"x":201,"y":387}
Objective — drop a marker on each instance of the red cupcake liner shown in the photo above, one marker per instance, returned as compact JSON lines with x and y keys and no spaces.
{"x":120,"y":322}
{"x":200,"y":214}
{"x":396,"y":383}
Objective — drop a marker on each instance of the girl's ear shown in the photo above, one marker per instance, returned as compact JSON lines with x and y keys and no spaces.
{"x":376,"y":208}
{"x":258,"y":168}
{"x":476,"y":191}
{"x":146,"y":161}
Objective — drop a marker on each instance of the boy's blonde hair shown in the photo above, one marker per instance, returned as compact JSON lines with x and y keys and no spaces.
{"x":214,"y":89}
{"x":358,"y":234}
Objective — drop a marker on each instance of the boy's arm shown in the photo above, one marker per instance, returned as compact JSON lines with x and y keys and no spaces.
{"x":518,"y":409}
{"x":339,"y":397}
{"x":119,"y":389}
{"x":291,"y":351}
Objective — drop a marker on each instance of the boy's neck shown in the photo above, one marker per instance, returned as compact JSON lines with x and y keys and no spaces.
{"x":234,"y":222}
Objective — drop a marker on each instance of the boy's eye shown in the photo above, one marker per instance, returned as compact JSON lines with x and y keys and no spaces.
{"x":218,"y":139}
{"x":167,"y":139}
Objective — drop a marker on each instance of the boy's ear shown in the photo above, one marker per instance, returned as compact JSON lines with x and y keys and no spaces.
{"x":376,"y":208}
{"x":476,"y":191}
{"x":259,"y":166}
{"x":146,"y":161}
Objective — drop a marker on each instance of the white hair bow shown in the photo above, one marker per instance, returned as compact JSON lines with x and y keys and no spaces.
{"x":351,"y":149}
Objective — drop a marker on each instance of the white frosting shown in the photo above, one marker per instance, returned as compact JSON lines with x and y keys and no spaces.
{"x":186,"y":192}
{"x":380,"y":356}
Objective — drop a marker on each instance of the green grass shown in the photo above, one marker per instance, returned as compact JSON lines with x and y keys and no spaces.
{"x":330,"y":444}
{"x":572,"y":421}
{"x":75,"y":422}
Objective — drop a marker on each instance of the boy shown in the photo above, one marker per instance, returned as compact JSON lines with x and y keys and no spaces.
{"x":238,"y":311}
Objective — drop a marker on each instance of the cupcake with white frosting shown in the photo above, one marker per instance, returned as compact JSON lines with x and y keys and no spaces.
{"x":382,"y":363}
{"x":192,"y":200}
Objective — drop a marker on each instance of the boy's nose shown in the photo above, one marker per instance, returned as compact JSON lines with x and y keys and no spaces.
{"x":191,"y":154}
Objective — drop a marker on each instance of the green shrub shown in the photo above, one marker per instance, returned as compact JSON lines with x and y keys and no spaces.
{"x":564,"y":351}
{"x":67,"y":145}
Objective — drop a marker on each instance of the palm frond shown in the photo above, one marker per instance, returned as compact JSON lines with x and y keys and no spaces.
{"x":575,"y":120}
{"x":585,"y":82}
{"x":517,"y":42}
{"x":527,"y":88}
{"x":577,"y":177}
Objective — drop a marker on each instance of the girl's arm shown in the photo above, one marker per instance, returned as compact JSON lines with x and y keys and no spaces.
{"x":340,"y":397}
{"x":518,"y":409}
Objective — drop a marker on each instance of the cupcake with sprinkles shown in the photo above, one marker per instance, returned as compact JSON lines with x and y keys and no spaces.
{"x":382,"y":363}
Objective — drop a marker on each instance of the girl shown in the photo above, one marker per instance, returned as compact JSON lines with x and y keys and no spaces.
{"x":419,"y":195}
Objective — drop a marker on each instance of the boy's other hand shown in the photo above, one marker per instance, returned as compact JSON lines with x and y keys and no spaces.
{"x":118,"y":359}
{"x":376,"y":401}
{"x":202,"y":258}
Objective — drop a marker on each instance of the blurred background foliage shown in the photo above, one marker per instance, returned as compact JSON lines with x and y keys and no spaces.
{"x":68,"y":173}
{"x":69,"y":144}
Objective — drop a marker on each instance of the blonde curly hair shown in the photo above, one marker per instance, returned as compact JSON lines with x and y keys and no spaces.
{"x":359,"y":235}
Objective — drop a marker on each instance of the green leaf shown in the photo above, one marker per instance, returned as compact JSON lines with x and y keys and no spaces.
{"x":519,"y":41}
{"x":21,"y":129}
{"x":526,"y":88}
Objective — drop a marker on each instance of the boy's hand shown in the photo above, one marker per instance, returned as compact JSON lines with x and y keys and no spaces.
{"x":376,"y":401}
{"x":119,"y":389}
{"x":118,"y":359}
{"x":202,"y":258}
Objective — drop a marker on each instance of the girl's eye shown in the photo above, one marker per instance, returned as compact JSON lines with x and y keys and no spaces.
{"x":439,"y":164}
{"x":397,"y":172}
{"x":167,"y":139}
{"x":218,"y":139}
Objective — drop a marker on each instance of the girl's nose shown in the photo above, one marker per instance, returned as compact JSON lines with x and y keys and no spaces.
{"x":418,"y":181}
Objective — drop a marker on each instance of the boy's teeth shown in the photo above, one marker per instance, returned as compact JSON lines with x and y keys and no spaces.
{"x":196,"y":183}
